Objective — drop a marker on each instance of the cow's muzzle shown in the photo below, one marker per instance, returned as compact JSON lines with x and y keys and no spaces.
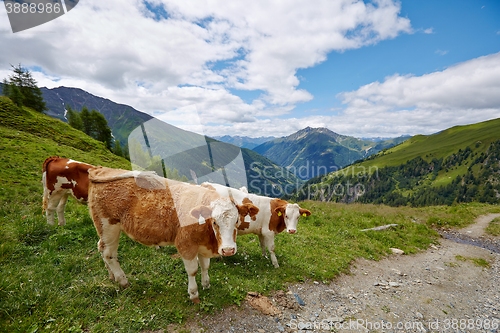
{"x":291,"y":231}
{"x":228,"y":251}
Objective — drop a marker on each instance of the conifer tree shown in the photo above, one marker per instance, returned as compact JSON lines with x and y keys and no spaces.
{"x":74,"y":118}
{"x":22,"y":89}
{"x":100,"y":129}
{"x":86,"y":121}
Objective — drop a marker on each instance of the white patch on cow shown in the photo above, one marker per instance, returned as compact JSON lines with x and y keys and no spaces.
{"x":226,"y":216}
{"x":137,"y":173}
{"x":292,"y":215}
{"x":248,"y":218}
{"x":60,"y":182}
{"x":201,"y":220}
{"x":130,"y":174}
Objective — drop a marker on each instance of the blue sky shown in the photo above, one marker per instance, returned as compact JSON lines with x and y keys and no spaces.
{"x":446,"y":33}
{"x":380,"y":68}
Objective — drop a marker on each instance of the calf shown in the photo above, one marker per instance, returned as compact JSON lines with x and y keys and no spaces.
{"x":62,"y":177}
{"x":274,"y":216}
{"x":156,"y":211}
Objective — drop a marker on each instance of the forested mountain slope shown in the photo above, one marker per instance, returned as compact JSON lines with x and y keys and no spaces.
{"x":460,"y":164}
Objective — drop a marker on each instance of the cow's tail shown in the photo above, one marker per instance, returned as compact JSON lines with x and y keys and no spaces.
{"x":45,"y":200}
{"x":47,"y":162}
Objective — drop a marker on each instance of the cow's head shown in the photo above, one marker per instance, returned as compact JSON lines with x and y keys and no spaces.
{"x":225,"y":217}
{"x":291,"y":214}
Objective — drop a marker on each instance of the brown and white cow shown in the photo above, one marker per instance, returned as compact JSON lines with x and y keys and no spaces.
{"x":274,"y":216}
{"x":156,"y":211}
{"x":61,"y":178}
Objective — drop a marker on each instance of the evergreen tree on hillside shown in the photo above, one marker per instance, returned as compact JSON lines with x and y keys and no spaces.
{"x":22,"y":89}
{"x":13,"y":93}
{"x":100,"y":129}
{"x":74,"y":118}
{"x":86,"y":121}
{"x":91,"y":123}
{"x":117,"y":148}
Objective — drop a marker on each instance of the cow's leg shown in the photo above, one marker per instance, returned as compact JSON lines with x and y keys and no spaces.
{"x":262,"y":241}
{"x":108,"y":246}
{"x":204,"y":264}
{"x":268,"y":241}
{"x":46,"y":194}
{"x":53,"y":202}
{"x":60,"y":208}
{"x":191,"y":270}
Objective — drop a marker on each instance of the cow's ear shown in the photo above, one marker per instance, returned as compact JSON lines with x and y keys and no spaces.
{"x":280,"y":210}
{"x":252,"y":209}
{"x":304,"y":212}
{"x":247,"y":209}
{"x":204,"y":211}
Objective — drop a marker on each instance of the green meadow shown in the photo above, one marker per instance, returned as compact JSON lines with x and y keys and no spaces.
{"x":54,"y":280}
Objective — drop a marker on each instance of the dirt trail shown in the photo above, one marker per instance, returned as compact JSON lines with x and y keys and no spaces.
{"x":477,"y":229}
{"x":452,"y":287}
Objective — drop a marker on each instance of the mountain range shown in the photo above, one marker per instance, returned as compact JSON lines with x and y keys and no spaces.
{"x":244,"y":141}
{"x":307,"y":153}
{"x":312,"y":152}
{"x":122,"y":119}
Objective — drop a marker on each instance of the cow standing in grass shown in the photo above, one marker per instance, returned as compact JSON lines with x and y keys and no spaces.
{"x":156,"y":211}
{"x":275,"y":215}
{"x":62,"y":177}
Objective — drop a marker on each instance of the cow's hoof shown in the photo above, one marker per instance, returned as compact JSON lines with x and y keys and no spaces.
{"x":124,"y":286}
{"x":124,"y":283}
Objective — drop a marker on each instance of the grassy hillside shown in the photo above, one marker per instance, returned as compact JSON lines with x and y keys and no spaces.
{"x":440,"y":145}
{"x":460,"y":164}
{"x":53,"y":278}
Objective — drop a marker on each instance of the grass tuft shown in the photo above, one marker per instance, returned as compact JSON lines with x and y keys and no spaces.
{"x":493,"y":227}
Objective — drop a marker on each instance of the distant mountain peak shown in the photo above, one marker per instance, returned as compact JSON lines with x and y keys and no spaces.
{"x":311,"y":130}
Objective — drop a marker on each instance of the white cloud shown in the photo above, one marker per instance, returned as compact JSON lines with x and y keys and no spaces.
{"x":119,"y":50}
{"x":462,"y":94}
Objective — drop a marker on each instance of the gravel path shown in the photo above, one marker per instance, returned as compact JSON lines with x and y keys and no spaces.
{"x":452,"y":287}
